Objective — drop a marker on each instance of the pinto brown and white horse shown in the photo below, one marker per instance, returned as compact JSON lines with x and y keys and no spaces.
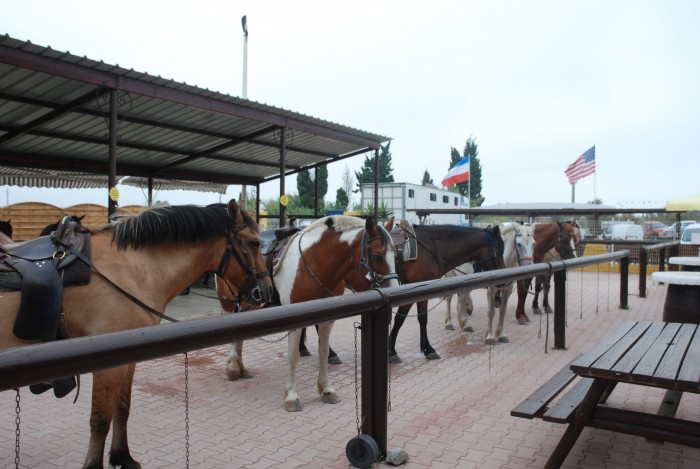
{"x":319,"y":262}
{"x":519,"y":251}
{"x":440,"y":249}
{"x":153,"y":257}
{"x":554,"y":241}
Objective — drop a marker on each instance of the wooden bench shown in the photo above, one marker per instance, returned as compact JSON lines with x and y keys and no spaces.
{"x":537,"y":405}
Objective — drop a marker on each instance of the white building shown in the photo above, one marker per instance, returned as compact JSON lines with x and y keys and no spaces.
{"x":401,"y":197}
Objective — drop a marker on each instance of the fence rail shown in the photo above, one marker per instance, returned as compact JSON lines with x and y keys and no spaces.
{"x":21,"y":366}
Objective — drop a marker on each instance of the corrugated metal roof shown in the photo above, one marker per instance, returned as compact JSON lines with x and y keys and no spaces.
{"x":54,"y":115}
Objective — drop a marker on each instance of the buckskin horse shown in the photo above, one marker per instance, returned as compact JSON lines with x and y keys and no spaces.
{"x":553,"y":242}
{"x":319,"y":262}
{"x":440,"y":248}
{"x":519,"y":250}
{"x":137,"y":265}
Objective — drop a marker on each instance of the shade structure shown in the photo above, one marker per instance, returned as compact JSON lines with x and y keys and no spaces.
{"x":691,"y":202}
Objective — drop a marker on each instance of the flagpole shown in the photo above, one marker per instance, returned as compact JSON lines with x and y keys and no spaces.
{"x":573,"y":193}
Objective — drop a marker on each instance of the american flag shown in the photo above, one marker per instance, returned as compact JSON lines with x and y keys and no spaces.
{"x":582,"y":167}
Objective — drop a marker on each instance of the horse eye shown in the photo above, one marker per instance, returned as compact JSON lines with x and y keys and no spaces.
{"x":378,"y":258}
{"x":254,"y":244}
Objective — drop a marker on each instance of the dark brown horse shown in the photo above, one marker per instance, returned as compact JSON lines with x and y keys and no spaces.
{"x":553,"y":242}
{"x":441,"y":248}
{"x":6,"y":228}
{"x":48,"y":229}
{"x":153,"y":257}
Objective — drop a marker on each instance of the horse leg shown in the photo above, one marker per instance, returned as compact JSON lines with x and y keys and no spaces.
{"x":425,"y":346}
{"x":465,"y":308}
{"x":303,"y":351}
{"x":536,"y":299}
{"x":119,"y":452}
{"x":328,"y":394}
{"x":234,"y":367}
{"x":448,"y":315}
{"x":291,"y":398}
{"x":105,"y":386}
{"x":545,"y":294}
{"x":520,"y":315}
{"x":399,"y":319}
{"x":505,"y":296}
{"x":489,"y":339}
{"x":333,"y":357}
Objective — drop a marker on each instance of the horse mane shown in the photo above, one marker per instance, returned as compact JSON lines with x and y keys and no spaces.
{"x":172,"y":224}
{"x":337,"y":222}
{"x":508,"y":227}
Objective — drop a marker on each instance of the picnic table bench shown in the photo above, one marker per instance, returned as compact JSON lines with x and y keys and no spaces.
{"x":659,"y":354}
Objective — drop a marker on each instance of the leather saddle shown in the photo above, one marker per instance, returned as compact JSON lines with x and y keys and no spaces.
{"x":274,"y":245}
{"x":404,"y":238}
{"x":39,"y":268}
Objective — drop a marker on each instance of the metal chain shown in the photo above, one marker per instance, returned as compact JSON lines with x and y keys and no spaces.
{"x":187,"y":411}
{"x":356,"y":327}
{"x":17,"y":431}
{"x":427,"y":311}
{"x":274,"y":341}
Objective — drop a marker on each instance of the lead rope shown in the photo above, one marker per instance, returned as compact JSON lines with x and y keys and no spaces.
{"x":187,"y":411}
{"x":17,"y":431}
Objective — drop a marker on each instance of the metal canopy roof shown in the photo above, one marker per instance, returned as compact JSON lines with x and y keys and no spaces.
{"x":55,"y":115}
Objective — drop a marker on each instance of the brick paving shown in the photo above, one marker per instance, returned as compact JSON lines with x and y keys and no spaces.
{"x":449,"y":413}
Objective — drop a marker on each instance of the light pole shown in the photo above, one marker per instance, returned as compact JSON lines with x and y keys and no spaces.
{"x":244,"y":24}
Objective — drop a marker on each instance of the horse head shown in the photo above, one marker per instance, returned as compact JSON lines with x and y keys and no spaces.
{"x":567,"y":239}
{"x":525,"y":244}
{"x":495,"y":248}
{"x":243,"y":244}
{"x":376,"y":257}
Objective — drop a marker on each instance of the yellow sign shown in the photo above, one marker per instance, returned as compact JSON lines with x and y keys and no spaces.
{"x":284,"y":200}
{"x":114,"y":194}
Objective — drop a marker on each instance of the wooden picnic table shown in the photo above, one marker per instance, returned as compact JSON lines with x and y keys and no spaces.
{"x":687,"y":263}
{"x":660,"y":354}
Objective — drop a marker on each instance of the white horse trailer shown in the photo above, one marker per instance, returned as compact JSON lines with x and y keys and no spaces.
{"x":402,"y":197}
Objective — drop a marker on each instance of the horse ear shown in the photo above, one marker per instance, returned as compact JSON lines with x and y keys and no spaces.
{"x":370,"y":227}
{"x":234,"y":210}
{"x":389,"y":224}
{"x":560,"y":224}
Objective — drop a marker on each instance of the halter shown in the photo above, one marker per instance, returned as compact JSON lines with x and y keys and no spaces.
{"x":561,"y":246}
{"x":255,"y":296}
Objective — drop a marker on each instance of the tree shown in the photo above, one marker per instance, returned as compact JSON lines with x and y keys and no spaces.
{"x":427,"y":179}
{"x":306,"y":187}
{"x":348,"y":181}
{"x":471,"y":149}
{"x":366,"y":173}
{"x":341,"y":199}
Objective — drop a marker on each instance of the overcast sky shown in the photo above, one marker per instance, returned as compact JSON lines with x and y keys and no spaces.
{"x":536,"y":83}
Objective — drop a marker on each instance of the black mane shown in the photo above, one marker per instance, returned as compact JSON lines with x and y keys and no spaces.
{"x":171,"y":224}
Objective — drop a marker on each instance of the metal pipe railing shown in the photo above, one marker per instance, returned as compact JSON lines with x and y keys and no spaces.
{"x":672,"y":246}
{"x":22,"y":366}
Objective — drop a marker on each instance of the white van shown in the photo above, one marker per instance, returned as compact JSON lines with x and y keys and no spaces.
{"x":691,"y":234}
{"x":627,"y":232}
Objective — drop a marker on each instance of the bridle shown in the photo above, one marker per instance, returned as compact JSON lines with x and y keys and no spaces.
{"x":255,"y":296}
{"x":492,"y":257}
{"x":375,"y":279}
{"x":523,"y":259}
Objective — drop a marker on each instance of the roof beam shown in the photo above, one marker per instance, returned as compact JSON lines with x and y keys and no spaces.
{"x":74,"y":71}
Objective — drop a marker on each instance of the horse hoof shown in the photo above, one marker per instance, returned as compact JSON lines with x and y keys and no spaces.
{"x":548,"y":310}
{"x":394,"y":359}
{"x":503,"y":340}
{"x":537,"y":311}
{"x":330,"y":398}
{"x":449,"y":327}
{"x":245,"y":374}
{"x":468,"y":329}
{"x":292,"y":406}
{"x":304,"y":353}
{"x":433,"y":356}
{"x":335,"y":360}
{"x":233,"y":375}
{"x":490,"y":341}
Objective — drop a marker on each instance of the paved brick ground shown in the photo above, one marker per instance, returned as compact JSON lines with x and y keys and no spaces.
{"x":450,"y":413}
